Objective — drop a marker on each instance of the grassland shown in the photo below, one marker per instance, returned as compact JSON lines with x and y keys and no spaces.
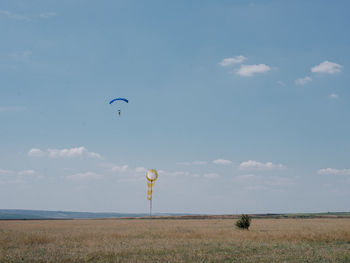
{"x":205,"y":240}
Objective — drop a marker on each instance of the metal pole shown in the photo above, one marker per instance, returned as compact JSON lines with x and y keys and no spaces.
{"x":150,"y":218}
{"x":150,"y":209}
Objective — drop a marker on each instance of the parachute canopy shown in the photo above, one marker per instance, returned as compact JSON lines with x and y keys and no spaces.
{"x":121,"y":99}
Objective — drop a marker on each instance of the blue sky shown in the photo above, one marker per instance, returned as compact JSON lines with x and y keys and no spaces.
{"x":242,"y":107}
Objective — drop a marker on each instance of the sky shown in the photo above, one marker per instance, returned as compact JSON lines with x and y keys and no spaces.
{"x":242,"y":107}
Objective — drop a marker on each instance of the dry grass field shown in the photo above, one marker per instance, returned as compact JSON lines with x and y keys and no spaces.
{"x":213,"y":240}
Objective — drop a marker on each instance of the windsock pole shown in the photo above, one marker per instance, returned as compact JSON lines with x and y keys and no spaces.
{"x":150,"y":203}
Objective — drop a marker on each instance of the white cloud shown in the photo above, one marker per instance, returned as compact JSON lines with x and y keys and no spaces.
{"x":72,"y":152}
{"x":5,"y":172}
{"x":26,"y":172}
{"x":93,"y":155}
{"x":14,"y":16}
{"x":211,"y":175}
{"x":85,"y":176}
{"x":192,"y":163}
{"x":254,"y":165}
{"x":332,"y":171}
{"x":230,"y":61}
{"x":281,"y":83}
{"x":20,"y":17}
{"x":303,"y":81}
{"x":64,"y":153}
{"x":327,"y":67}
{"x":117,"y":168}
{"x":36,"y":152}
{"x":14,"y":181}
{"x":250,"y":70}
{"x":222,"y":161}
{"x":11,"y":108}
{"x":21,"y":55}
{"x":333,"y":96}
{"x":140,"y":169}
{"x":47,"y":15}
{"x":173,"y":174}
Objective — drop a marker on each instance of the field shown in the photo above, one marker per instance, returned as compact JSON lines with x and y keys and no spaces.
{"x":175,"y":240}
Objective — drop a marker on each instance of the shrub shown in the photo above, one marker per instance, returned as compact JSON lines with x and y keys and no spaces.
{"x":243,"y":222}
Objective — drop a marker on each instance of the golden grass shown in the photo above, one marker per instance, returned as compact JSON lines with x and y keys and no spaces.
{"x":217,"y":240}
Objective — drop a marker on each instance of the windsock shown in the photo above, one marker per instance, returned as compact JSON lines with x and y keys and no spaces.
{"x":151,"y":177}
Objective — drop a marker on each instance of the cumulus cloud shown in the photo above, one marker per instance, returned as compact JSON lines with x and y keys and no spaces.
{"x":250,"y":70}
{"x":332,"y":171}
{"x":20,"y":17}
{"x":36,"y":152}
{"x":5,"y":172}
{"x":21,"y":55}
{"x":230,"y":61}
{"x":175,"y":174}
{"x":192,"y":163}
{"x":11,"y":108}
{"x":85,"y":176}
{"x":303,"y":81}
{"x":254,"y":165}
{"x":26,"y":172}
{"x":13,"y":15}
{"x":333,"y":96}
{"x":72,"y":152}
{"x":140,"y":169}
{"x":327,"y":67}
{"x":64,"y":153}
{"x":122,"y":168}
{"x":281,"y":83}
{"x":222,"y":161}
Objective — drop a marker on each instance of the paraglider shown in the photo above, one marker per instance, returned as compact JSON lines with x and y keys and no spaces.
{"x":118,"y":100}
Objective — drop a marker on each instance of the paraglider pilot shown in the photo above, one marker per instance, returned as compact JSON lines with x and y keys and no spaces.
{"x":117,"y":100}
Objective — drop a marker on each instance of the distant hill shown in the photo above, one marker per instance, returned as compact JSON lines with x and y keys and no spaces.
{"x":41,"y":214}
{"x":18,"y":214}
{"x":257,"y":216}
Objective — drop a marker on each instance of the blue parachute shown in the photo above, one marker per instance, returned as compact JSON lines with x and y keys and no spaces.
{"x":119,"y":99}
{"x":122,"y":99}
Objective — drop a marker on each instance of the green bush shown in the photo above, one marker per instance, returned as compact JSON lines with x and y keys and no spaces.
{"x":243,"y":222}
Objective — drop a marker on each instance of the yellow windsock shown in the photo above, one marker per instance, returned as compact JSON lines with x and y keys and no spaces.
{"x":151,"y":177}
